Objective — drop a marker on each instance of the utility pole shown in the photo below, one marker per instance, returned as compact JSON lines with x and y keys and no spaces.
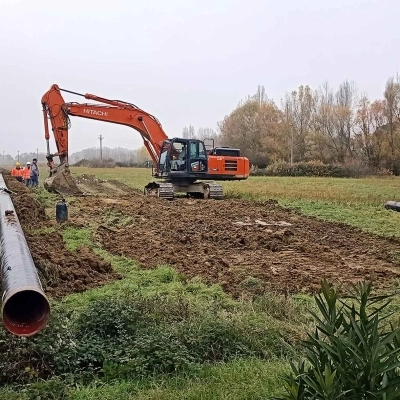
{"x":37,"y":154}
{"x":18,"y":155}
{"x":101,"y":147}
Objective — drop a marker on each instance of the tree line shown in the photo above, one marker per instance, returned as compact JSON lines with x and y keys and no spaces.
{"x":23,"y":158}
{"x":334,"y":126}
{"x":116,"y":154}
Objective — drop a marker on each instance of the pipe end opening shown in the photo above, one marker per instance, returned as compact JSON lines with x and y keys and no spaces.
{"x":25,"y":313}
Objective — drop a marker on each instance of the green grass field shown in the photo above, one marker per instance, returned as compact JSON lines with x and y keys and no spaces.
{"x":248,"y":328}
{"x":357,"y":202}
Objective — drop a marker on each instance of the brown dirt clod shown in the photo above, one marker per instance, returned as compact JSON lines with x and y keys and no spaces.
{"x":64,"y":271}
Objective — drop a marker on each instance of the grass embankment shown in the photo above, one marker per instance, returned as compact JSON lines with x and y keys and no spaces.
{"x":250,"y":379}
{"x":240,"y":380}
{"x":125,"y":339}
{"x":357,"y":202}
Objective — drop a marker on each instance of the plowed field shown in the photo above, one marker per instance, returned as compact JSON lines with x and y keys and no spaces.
{"x":241,"y":245}
{"x":230,"y":242}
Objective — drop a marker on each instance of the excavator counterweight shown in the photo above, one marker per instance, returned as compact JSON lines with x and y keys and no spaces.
{"x":180,"y":165}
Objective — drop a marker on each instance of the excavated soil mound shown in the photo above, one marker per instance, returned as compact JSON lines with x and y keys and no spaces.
{"x":90,"y":185}
{"x":61,"y":271}
{"x":243,"y":245}
{"x":30,"y":212}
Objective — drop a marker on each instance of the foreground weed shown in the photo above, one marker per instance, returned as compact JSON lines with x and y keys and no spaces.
{"x":350,"y":355}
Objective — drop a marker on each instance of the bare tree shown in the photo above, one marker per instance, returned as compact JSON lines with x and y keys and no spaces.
{"x":255,"y":127}
{"x":346,"y":98}
{"x":323,"y":123}
{"x":298,"y":109}
{"x":392,"y":110}
{"x":335,"y":118}
{"x":188,"y":132}
{"x":370,"y":136}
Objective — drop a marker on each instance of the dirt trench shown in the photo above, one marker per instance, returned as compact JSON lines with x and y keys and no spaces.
{"x":61,"y":270}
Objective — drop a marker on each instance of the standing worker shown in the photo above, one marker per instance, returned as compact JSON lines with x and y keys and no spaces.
{"x":17,"y":172}
{"x":34,"y":173}
{"x":27,"y":174}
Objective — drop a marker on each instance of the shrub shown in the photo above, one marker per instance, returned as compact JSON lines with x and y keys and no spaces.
{"x":315,"y":168}
{"x":310,"y":168}
{"x":53,"y":389}
{"x":96,"y":163}
{"x":350,"y":355}
{"x":131,"y":164}
{"x":259,"y":172}
{"x":140,"y":333}
{"x":111,"y":163}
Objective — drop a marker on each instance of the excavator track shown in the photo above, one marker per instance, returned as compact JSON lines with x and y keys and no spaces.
{"x":216,"y":191}
{"x":166,"y":191}
{"x":163,"y":190}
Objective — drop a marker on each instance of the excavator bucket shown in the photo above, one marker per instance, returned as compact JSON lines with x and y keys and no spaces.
{"x":60,"y":181}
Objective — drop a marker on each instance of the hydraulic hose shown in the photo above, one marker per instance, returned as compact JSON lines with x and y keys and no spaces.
{"x":25,"y":309}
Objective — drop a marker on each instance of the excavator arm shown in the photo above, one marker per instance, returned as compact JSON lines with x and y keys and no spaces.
{"x":148,"y":127}
{"x":58,"y":111}
{"x":52,"y":101}
{"x":115,"y":111}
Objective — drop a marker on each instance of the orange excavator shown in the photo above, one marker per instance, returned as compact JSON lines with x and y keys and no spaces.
{"x":182,"y":165}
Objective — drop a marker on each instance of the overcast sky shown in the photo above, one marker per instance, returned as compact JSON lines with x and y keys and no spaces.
{"x":185,"y":61}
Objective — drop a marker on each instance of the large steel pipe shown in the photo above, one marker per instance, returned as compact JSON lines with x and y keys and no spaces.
{"x":25,"y":309}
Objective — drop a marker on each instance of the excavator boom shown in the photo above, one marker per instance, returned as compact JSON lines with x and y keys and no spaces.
{"x":58,"y":111}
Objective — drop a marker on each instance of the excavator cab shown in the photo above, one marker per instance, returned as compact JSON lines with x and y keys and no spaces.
{"x":180,"y":158}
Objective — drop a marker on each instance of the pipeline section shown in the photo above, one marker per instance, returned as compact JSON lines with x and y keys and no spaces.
{"x":25,"y":309}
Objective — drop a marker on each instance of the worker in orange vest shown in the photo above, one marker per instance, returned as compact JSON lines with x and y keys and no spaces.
{"x":18,"y":172}
{"x":27,"y":174}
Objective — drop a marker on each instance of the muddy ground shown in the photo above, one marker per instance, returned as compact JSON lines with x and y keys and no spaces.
{"x":61,"y":270}
{"x":244,"y":246}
